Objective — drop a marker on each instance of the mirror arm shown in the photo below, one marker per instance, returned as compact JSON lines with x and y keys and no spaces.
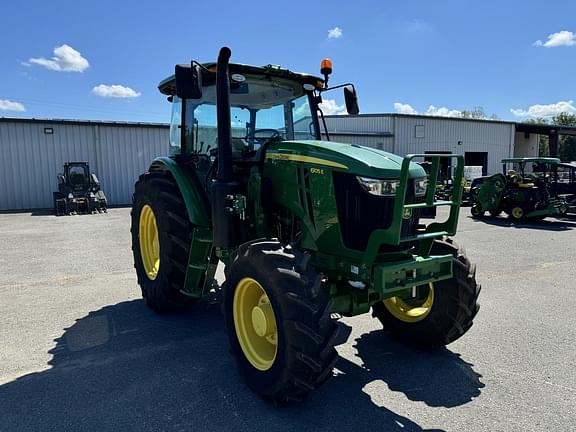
{"x":337,"y":87}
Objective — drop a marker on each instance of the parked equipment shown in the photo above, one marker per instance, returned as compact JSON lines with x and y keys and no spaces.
{"x":78,"y":191}
{"x":563,"y":184}
{"x":306,"y":228}
{"x":521,"y":191}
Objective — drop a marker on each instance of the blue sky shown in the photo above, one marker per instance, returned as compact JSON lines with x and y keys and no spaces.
{"x":402,"y":56}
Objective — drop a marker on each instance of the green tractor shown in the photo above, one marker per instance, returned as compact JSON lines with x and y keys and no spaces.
{"x":522,"y":191}
{"x":307,"y":229}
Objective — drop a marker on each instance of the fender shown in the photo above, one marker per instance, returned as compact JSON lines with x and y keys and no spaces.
{"x":192,"y":193}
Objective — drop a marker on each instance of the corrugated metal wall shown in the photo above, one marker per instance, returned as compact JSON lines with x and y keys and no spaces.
{"x":456,"y":136}
{"x":434,"y":134}
{"x":361,"y":123}
{"x":380,"y":142}
{"x":31,"y":159}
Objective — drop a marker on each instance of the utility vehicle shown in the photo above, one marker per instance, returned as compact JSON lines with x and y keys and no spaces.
{"x":522,"y":190}
{"x":79,"y":191}
{"x":307,"y":229}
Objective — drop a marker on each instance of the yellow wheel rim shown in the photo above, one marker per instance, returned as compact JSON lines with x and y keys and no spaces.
{"x":517,"y":212}
{"x":412,"y":310}
{"x":255,"y":324}
{"x":149,"y":243}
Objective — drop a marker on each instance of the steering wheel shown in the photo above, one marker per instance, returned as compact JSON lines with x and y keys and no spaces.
{"x":269,"y":134}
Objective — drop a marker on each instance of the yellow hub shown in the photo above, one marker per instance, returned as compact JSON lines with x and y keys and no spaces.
{"x":255,"y":324}
{"x":412,"y":310}
{"x":149,"y":243}
{"x":517,"y":212}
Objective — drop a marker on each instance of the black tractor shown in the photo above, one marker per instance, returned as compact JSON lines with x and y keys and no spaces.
{"x":78,"y":191}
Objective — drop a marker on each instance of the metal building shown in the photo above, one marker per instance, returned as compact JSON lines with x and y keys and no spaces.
{"x":33,"y":152}
{"x":482,"y":142}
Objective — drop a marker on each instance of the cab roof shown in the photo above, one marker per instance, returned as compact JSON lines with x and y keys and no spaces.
{"x":553,"y":161}
{"x":168,"y":85}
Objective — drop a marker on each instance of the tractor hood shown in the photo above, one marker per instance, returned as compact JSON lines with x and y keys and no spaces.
{"x":350,"y":158}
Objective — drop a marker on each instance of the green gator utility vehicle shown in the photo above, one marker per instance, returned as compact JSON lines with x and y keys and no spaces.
{"x":520,"y":191}
{"x":306,"y":228}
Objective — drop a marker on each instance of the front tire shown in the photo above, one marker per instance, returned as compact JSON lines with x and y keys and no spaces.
{"x":518,"y":213}
{"x":278,"y":321}
{"x":442,"y":313}
{"x":161,"y":237}
{"x":476,"y":211}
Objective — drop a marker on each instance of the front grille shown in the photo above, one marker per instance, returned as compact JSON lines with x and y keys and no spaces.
{"x":360,"y":213}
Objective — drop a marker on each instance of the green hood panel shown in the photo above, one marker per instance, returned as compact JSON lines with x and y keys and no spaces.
{"x":350,"y":158}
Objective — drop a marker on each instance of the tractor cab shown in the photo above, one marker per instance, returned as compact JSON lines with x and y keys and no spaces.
{"x":264,"y":105}
{"x":77,"y":176}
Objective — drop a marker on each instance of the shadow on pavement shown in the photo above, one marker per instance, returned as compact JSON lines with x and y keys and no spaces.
{"x":439,"y":378}
{"x":548,"y":224}
{"x":124,"y":368}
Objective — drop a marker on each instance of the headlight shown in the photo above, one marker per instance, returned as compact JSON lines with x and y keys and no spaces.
{"x":420,"y":186}
{"x":379,"y":187}
{"x":70,"y":196}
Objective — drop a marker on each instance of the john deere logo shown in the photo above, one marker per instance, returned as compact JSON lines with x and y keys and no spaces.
{"x":407,"y":213}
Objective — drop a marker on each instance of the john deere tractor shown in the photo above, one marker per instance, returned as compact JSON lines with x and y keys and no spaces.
{"x":79,"y":191}
{"x":307,"y":229}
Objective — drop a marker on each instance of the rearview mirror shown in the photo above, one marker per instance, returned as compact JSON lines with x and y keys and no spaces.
{"x":188,"y":81}
{"x":351,"y":100}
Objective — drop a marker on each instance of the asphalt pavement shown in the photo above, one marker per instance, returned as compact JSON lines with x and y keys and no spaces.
{"x":79,"y":350}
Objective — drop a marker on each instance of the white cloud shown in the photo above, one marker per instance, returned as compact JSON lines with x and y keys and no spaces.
{"x":115,"y":90}
{"x":432,"y":110}
{"x":8,"y":105}
{"x":442,"y":112}
{"x":404,"y":108}
{"x":562,"y":38}
{"x":335,"y":33}
{"x":66,"y":59}
{"x":549,"y":110}
{"x":330,"y":107}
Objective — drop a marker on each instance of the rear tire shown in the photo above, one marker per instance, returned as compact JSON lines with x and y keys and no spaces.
{"x":454,"y":306}
{"x":159,"y":193}
{"x":305,"y":335}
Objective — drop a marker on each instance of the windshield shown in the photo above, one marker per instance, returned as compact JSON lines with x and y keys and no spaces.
{"x":261,"y":110}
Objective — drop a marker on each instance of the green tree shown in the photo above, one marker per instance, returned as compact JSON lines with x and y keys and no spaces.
{"x":478,"y":113}
{"x":543,"y":146}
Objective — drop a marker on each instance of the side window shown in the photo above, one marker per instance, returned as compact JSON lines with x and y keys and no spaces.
{"x":206,"y":132}
{"x":175,"y":124}
{"x":302,"y":119}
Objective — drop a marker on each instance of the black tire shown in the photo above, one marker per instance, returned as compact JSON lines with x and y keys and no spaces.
{"x":306,"y":334}
{"x":161,"y":193}
{"x":476,"y":211}
{"x":454,"y":308}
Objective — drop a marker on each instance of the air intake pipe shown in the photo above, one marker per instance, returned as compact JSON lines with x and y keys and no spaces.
{"x":223,"y":218}
{"x":223,"y":116}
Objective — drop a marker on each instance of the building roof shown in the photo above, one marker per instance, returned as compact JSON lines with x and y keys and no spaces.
{"x":545,"y":129}
{"x":49,"y":121}
{"x":422,"y":116}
